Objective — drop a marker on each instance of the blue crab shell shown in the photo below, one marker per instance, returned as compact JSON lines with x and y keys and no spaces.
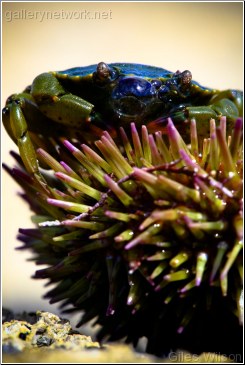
{"x":124,"y":69}
{"x":136,"y":69}
{"x":133,"y":92}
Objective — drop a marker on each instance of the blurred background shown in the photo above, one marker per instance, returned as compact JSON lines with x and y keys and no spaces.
{"x":206,"y":38}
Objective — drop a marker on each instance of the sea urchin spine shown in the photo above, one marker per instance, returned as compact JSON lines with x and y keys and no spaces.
{"x":146,"y":236}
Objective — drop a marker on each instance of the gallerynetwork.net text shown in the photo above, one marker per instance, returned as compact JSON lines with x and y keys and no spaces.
{"x":40,"y":16}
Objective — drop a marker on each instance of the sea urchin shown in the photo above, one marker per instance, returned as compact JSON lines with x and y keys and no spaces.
{"x":145,"y":236}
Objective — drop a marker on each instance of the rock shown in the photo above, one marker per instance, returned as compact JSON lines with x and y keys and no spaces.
{"x":52,"y":340}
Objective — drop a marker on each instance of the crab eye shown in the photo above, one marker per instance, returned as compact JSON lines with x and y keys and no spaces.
{"x":104,"y":74}
{"x":185,"y":78}
{"x":103,"y":71}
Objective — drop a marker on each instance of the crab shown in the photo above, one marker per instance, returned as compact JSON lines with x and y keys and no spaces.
{"x":81,"y":102}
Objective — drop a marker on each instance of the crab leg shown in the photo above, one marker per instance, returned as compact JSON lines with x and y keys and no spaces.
{"x":59,"y":105}
{"x":26,"y":148}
